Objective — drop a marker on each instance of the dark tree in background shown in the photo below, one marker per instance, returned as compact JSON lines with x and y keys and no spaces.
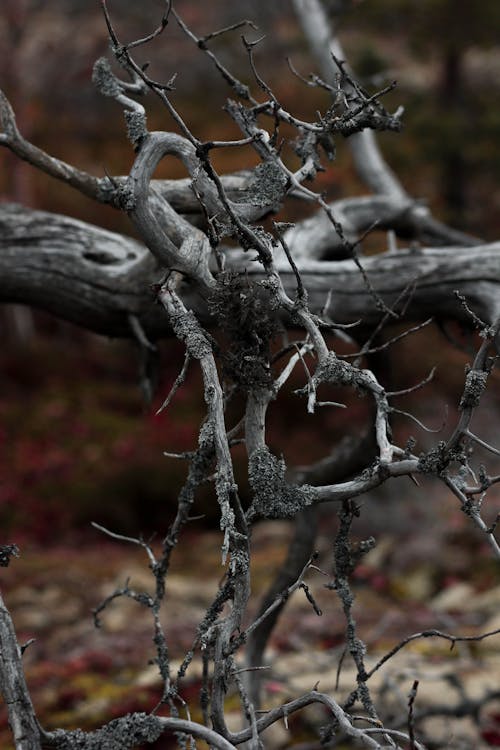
{"x":462,"y":59}
{"x":259,"y":303}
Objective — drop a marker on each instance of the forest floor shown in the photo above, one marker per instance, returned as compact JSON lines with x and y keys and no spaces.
{"x":81,"y":676}
{"x":77,"y":445}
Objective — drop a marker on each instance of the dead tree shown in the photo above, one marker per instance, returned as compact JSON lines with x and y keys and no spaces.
{"x":211,"y":257}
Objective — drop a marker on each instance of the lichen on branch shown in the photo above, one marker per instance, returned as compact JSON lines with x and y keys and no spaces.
{"x":273,"y":497}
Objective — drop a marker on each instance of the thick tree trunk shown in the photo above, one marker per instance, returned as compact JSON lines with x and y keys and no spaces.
{"x":98,"y":279}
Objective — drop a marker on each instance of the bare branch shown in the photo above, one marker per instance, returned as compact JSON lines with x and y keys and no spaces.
{"x":369,"y":160}
{"x":11,"y":138}
{"x":181,"y":377}
{"x":429,"y":634}
{"x":13,"y":687}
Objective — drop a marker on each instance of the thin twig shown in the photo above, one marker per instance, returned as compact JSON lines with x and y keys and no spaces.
{"x":482,"y":443}
{"x":413,"y":388}
{"x":180,"y":379}
{"x":430,"y":634}
{"x":411,"y":716}
{"x":130,"y":539}
{"x":417,"y":421}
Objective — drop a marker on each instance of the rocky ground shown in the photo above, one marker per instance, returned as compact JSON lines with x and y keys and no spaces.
{"x":81,"y":676}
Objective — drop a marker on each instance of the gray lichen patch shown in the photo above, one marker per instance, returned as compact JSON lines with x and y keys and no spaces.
{"x":267,"y":186}
{"x":337,"y":372}
{"x":273,"y":496}
{"x":104,"y":79}
{"x":224,"y":488}
{"x":125,"y":733}
{"x":125,"y":196}
{"x":475,"y":383}
{"x":187,"y":329}
{"x":136,"y":126}
{"x":435,"y":461}
{"x":247,"y":312}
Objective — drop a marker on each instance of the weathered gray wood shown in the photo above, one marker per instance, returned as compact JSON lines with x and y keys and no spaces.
{"x":323,"y":43}
{"x":80,"y":273}
{"x":13,"y":688}
{"x":96,"y":278}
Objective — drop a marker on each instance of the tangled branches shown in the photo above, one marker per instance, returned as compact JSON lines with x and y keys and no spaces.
{"x":234,"y":308}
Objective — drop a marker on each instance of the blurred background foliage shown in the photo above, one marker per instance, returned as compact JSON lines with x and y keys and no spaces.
{"x":77,"y":441}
